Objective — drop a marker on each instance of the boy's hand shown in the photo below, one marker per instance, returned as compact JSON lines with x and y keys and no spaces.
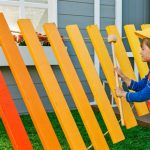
{"x":119,"y":72}
{"x":120,"y":92}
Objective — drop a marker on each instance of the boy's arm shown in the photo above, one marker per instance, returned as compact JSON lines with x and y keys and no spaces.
{"x":139,"y":96}
{"x":138,"y":86}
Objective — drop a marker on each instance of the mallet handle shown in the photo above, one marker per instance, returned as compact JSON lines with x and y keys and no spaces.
{"x":117,"y":83}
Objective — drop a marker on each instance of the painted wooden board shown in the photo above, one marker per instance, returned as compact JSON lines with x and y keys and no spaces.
{"x":11,"y":119}
{"x":105,"y":60}
{"x":75,"y":87}
{"x":136,"y":48}
{"x":145,"y":26}
{"x":125,"y":65}
{"x":95,"y":84}
{"x":51,"y":85}
{"x":27,"y":88}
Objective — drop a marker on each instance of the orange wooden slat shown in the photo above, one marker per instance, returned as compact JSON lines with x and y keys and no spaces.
{"x":95,"y":84}
{"x":125,"y":65}
{"x":105,"y":60}
{"x":51,"y":85}
{"x":75,"y":86}
{"x":11,"y":119}
{"x":27,"y":89}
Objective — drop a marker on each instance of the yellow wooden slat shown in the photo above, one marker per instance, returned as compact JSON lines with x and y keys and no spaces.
{"x":95,"y":83}
{"x":125,"y":65}
{"x":136,"y":48}
{"x":51,"y":85}
{"x":145,"y":26}
{"x":27,"y":88}
{"x":105,"y":60}
{"x":75,"y":87}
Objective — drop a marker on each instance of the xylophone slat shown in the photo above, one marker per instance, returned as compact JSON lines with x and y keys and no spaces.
{"x":135,"y":48}
{"x":51,"y":85}
{"x":125,"y":65}
{"x":76,"y":89}
{"x":11,"y":119}
{"x":27,"y":89}
{"x":105,"y":60}
{"x":95,"y":83}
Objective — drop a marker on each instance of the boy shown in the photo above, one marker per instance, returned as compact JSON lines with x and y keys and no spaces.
{"x":141,"y":88}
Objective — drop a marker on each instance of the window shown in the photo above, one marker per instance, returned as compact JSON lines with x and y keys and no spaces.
{"x":39,"y":11}
{"x":11,"y":14}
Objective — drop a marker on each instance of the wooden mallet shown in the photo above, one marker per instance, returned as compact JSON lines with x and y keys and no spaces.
{"x":112,"y":39}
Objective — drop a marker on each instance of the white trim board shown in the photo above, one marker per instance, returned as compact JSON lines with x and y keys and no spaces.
{"x":52,"y":11}
{"x":97,"y":22}
{"x":27,"y":58}
{"x":118,"y":15}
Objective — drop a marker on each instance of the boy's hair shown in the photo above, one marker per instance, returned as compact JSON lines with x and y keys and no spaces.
{"x":146,"y":41}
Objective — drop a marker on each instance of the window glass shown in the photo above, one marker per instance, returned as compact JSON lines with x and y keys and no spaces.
{"x":38,"y":17}
{"x":11,"y":14}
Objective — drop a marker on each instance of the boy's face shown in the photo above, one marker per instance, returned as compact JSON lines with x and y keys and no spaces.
{"x":145,"y":53}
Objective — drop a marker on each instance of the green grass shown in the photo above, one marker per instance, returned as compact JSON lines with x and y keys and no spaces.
{"x":137,"y":138}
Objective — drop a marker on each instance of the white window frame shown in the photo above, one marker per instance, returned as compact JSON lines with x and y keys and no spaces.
{"x":52,"y":11}
{"x":118,"y":23}
{"x":118,"y":15}
{"x":130,"y":55}
{"x":51,"y":6}
{"x":97,"y":22}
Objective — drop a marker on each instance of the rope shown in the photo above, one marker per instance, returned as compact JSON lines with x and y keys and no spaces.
{"x":89,"y":147}
{"x":15,"y":31}
{"x":67,"y":38}
{"x":87,"y":39}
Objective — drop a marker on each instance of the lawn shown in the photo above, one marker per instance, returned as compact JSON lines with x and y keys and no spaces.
{"x":137,"y":138}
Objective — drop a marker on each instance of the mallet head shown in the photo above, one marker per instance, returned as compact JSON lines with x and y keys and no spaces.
{"x":112,"y":38}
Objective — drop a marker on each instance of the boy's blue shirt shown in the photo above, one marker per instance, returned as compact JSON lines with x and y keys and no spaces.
{"x":141,"y":88}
